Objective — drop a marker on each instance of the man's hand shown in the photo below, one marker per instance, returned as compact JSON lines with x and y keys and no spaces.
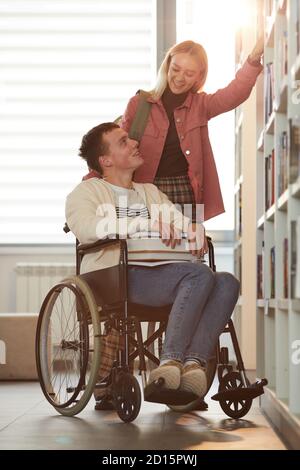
{"x":169,"y":234}
{"x":197,"y":240}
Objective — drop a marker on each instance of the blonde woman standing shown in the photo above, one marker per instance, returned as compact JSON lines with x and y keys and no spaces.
{"x":175,"y":146}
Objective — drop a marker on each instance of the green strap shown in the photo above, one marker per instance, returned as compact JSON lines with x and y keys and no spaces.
{"x":141,"y":117}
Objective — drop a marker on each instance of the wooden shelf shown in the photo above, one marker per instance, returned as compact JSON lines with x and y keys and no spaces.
{"x":261,"y":141}
{"x":295,"y":189}
{"x":261,"y":222}
{"x":278,"y":319}
{"x":270,"y":213}
{"x":295,"y":305}
{"x":237,"y":244}
{"x":283,"y":201}
{"x":295,"y":72}
{"x":282,"y":5}
{"x":245,"y":248}
{"x":270,"y":124}
{"x":281,"y":106}
{"x":238,"y":184}
{"x":269,"y":42}
{"x":239,"y":123}
{"x":283,"y":304}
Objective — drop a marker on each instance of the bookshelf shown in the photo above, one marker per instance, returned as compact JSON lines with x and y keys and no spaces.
{"x":277,"y":203}
{"x":245,"y":208}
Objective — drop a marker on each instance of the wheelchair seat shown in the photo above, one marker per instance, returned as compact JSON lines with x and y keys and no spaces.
{"x":144,"y":312}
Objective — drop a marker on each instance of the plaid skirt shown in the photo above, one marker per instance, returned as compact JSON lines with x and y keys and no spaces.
{"x":179,"y":190}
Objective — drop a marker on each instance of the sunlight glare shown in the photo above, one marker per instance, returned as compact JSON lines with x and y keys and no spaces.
{"x":242,"y":13}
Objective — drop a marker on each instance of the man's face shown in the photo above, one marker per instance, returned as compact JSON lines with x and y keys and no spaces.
{"x":123,"y":153}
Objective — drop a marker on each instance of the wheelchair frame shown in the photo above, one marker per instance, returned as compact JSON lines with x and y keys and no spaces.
{"x":70,"y":390}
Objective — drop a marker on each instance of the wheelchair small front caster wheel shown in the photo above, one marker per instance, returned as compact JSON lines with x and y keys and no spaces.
{"x":234,"y":408}
{"x":127,"y":396}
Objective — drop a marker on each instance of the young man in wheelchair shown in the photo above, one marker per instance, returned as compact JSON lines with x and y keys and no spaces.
{"x":202,"y":300}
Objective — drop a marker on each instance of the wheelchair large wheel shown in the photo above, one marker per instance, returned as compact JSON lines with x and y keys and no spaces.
{"x":68,"y":346}
{"x":198,"y":404}
{"x":127,"y":396}
{"x":235,"y":408}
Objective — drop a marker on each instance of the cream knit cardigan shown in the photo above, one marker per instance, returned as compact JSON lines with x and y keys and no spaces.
{"x":91,"y":215}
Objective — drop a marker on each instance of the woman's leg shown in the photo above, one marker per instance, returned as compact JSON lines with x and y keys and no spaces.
{"x":215,"y":316}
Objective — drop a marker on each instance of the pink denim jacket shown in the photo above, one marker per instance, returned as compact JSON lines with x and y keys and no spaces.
{"x":191,"y":120}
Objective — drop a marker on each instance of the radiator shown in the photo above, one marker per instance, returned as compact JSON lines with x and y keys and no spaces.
{"x":34,"y":280}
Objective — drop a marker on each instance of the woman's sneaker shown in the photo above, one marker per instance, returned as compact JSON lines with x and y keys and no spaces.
{"x":170,"y":372}
{"x":193,"y":379}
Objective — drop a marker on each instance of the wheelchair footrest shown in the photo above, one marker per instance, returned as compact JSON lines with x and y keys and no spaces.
{"x":155,"y":393}
{"x":241,"y":393}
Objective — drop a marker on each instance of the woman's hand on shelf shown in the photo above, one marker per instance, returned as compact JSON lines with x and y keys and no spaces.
{"x":257,"y":51}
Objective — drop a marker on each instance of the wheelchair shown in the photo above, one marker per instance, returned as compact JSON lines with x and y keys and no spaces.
{"x":69,"y":337}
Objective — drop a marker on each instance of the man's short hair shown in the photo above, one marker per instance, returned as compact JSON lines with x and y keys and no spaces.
{"x":94,"y":146}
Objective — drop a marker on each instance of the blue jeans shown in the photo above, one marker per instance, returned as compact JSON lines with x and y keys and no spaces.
{"x":203,"y":302}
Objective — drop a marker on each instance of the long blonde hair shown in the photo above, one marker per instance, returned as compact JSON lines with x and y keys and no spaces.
{"x":187,"y":47}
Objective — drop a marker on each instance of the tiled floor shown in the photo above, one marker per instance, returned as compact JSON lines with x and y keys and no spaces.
{"x":27,"y":421}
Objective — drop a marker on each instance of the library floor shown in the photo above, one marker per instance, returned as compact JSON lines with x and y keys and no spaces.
{"x":27,"y":421}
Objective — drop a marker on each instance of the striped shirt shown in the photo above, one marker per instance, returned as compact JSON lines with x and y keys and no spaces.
{"x":129,"y":203}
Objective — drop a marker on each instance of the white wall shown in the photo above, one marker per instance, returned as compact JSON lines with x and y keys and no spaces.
{"x":9,"y":256}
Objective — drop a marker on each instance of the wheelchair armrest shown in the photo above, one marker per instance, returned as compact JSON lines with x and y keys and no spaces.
{"x":84,"y":248}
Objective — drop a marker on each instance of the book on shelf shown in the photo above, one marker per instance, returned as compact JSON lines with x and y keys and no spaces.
{"x":238,"y":265}
{"x":295,"y":259}
{"x":148,"y":247}
{"x":269,"y":5}
{"x":269,"y":91}
{"x":259,"y":277}
{"x":294,"y":129}
{"x":238,"y":153}
{"x":272,"y":272}
{"x":297,"y":277}
{"x":297,"y":24}
{"x":269,"y":180}
{"x":283,"y":56}
{"x":263,"y":268}
{"x":285,"y":269}
{"x":239,"y":215}
{"x":269,"y":14}
{"x":282,"y":151}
